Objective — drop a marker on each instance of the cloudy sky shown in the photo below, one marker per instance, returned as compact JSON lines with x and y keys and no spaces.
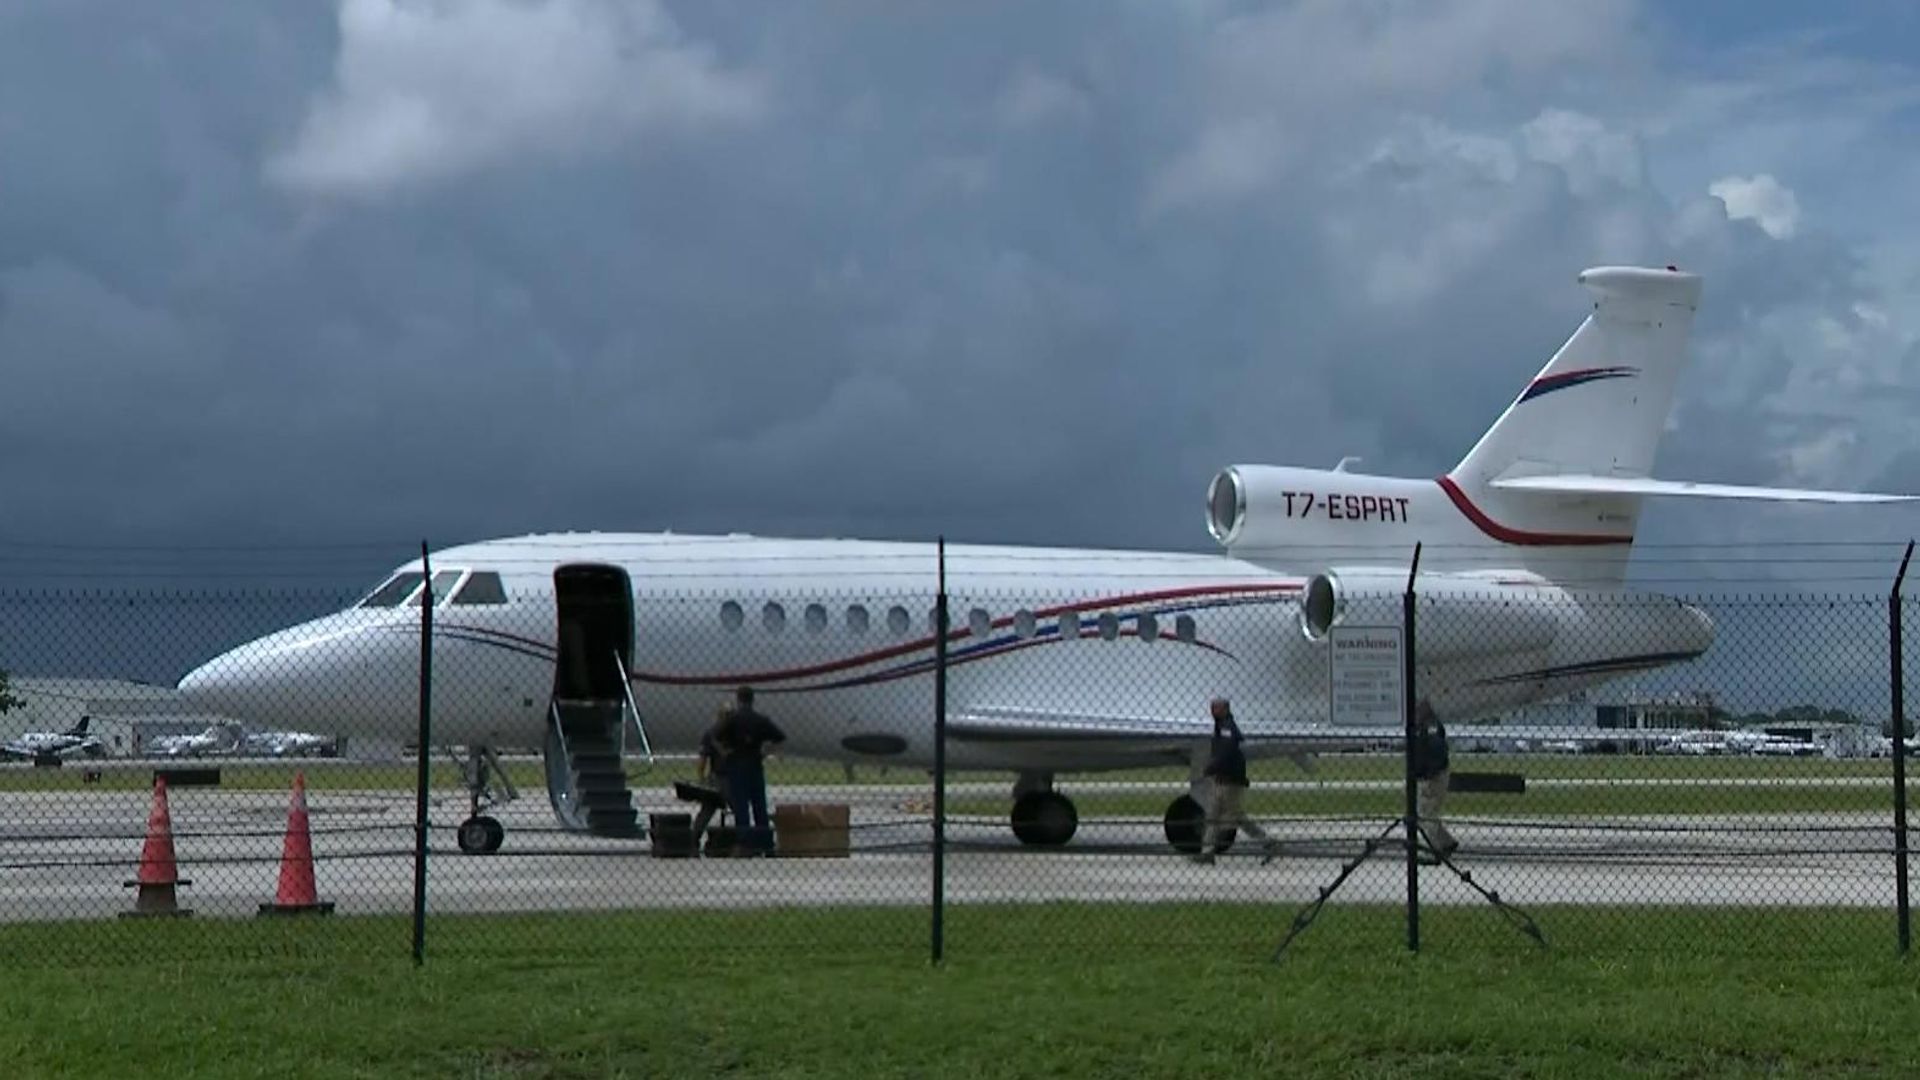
{"x":361,"y":273}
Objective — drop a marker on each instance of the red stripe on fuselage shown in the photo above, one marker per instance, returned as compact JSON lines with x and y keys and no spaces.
{"x":1508,"y":535}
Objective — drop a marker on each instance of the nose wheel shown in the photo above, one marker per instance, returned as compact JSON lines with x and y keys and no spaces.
{"x":481,"y":835}
{"x":487,"y":785}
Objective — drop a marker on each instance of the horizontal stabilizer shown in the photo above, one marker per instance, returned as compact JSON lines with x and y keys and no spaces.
{"x":1646,"y":485}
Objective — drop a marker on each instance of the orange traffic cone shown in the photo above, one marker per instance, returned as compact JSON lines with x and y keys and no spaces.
{"x":297,"y":895}
{"x":158,"y":876}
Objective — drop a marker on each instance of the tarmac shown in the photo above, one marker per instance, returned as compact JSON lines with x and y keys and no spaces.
{"x":67,"y":855}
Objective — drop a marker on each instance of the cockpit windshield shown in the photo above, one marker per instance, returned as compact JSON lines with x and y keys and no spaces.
{"x":481,"y":587}
{"x":443,"y":583}
{"x":397,"y":589}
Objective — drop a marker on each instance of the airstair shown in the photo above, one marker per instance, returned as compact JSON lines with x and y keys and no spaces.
{"x":592,"y":703}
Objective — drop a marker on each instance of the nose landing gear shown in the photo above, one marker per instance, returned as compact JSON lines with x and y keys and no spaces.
{"x":481,"y":834}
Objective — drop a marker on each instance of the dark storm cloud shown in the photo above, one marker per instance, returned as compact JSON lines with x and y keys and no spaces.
{"x":270,"y":274}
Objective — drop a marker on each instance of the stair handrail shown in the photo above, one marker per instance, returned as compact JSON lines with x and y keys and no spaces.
{"x":626,"y":688}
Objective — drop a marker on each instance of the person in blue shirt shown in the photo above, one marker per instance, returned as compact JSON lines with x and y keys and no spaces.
{"x":1226,"y":772}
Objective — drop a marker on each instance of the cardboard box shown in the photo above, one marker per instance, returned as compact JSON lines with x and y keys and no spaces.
{"x":812,"y":830}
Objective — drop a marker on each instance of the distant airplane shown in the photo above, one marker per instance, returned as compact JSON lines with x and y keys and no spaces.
{"x":1060,"y":659}
{"x":217,"y":739}
{"x":290,"y":744}
{"x":51,"y":745}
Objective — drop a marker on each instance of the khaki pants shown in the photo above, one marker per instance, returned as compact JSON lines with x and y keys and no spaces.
{"x":1224,"y":813}
{"x":1433,"y":792}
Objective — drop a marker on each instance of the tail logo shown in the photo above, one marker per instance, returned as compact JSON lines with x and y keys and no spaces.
{"x":1561,"y":380}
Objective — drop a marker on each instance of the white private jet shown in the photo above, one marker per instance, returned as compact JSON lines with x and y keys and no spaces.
{"x":1060,"y":660}
{"x":216,"y":739}
{"x":51,"y":745}
{"x":290,"y":744}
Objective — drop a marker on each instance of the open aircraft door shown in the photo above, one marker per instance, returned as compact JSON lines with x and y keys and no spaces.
{"x":593,"y":701}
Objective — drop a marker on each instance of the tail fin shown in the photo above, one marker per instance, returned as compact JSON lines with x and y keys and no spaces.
{"x":1565,"y":468}
{"x":1600,"y":405}
{"x":80,"y":728}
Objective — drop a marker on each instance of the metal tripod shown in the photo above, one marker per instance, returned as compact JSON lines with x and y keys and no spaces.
{"x":1515,"y":917}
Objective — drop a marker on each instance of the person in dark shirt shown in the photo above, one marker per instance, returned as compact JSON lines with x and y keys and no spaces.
{"x":1431,"y":767}
{"x":1226,"y":773}
{"x":743,"y":736}
{"x":712,"y":772}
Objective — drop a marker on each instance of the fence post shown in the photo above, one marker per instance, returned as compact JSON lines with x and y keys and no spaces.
{"x":422,"y":755}
{"x":1407,"y":695}
{"x":1896,"y":680}
{"x":940,"y":759}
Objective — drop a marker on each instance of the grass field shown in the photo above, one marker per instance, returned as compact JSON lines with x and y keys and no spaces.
{"x":1125,"y":992}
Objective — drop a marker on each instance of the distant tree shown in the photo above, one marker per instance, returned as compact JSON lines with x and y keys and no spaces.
{"x":8,"y":702}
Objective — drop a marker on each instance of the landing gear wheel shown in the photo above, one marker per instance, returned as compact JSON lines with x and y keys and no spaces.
{"x":481,"y":835}
{"x":1044,"y":818}
{"x":1186,"y":824}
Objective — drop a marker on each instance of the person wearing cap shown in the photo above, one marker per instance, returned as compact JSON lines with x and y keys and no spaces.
{"x":743,"y":736}
{"x":1431,"y":768}
{"x":1227,"y":773}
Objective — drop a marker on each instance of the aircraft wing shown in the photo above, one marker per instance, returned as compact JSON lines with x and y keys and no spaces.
{"x":1007,"y":724}
{"x":1646,"y":485}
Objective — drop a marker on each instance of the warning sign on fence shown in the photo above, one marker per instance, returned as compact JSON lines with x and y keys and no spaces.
{"x":1366,"y":676}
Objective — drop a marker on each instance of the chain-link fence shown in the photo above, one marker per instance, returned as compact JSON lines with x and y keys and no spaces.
{"x":1680,"y":765}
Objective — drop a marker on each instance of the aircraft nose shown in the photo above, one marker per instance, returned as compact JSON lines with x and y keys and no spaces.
{"x":332,"y":675}
{"x":244,"y":685}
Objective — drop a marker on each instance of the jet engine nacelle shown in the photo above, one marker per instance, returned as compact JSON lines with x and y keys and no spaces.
{"x":1457,"y":616}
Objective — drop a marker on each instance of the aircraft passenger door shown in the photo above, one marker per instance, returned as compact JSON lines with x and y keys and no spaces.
{"x":594,"y":603}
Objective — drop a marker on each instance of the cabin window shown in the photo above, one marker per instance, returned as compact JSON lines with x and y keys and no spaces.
{"x":731,"y":615}
{"x":1149,"y":628}
{"x":1109,"y":625}
{"x":1183,"y":629}
{"x":816,"y":618}
{"x":979,"y":622}
{"x":484,"y":587}
{"x":1069,"y":624}
{"x":856,"y":620}
{"x":443,"y":583}
{"x":773,"y":618}
{"x":397,"y":588}
{"x":1023,"y":624}
{"x":897,"y":620}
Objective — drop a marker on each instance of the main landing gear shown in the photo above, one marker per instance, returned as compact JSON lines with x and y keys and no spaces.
{"x":1042,"y":817}
{"x":481,"y":834}
{"x":1186,"y":823}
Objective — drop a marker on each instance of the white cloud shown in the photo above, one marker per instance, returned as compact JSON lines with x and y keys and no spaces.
{"x":1760,"y":199}
{"x":1228,"y":160}
{"x":1322,"y":68}
{"x":1592,"y":154}
{"x":424,"y":90}
{"x":1033,"y":98}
